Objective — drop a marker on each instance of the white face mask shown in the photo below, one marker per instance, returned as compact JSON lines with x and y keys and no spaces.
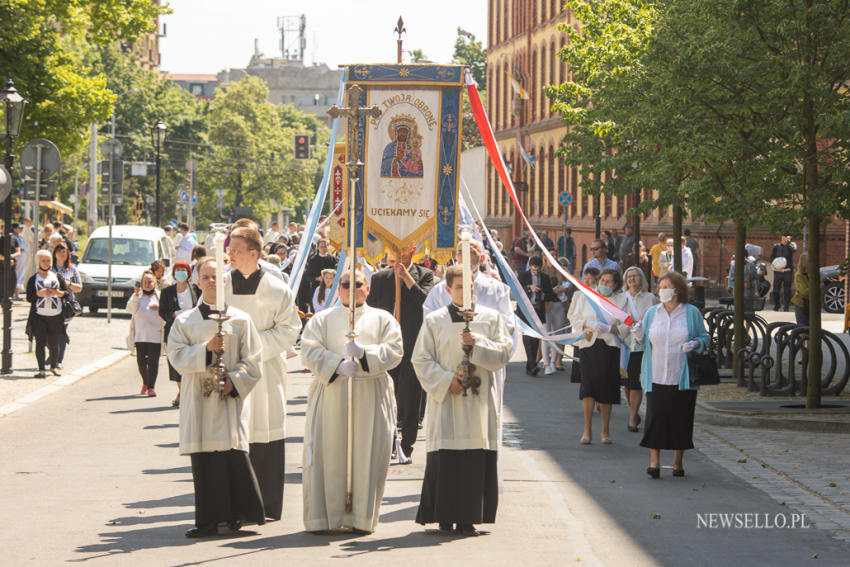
{"x":666,"y":294}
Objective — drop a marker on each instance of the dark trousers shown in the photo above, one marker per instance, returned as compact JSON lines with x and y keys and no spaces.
{"x":147,"y":357}
{"x":531,"y":345}
{"x":783,"y":280}
{"x":63,"y":344}
{"x":47,"y":331}
{"x":408,"y":395}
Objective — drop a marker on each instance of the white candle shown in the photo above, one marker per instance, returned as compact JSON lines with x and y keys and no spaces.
{"x":467,"y":270}
{"x":219,"y":271}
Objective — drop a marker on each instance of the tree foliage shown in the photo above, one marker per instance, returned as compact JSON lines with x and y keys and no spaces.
{"x":737,"y":109}
{"x":40,"y":46}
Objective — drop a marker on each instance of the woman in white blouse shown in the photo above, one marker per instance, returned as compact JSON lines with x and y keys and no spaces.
{"x":600,"y":354}
{"x":639,"y":301}
{"x":147,"y":330}
{"x":667,"y":333}
{"x":45,"y":290}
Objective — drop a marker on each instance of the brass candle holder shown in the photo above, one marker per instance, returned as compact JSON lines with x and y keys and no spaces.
{"x":466,"y":369}
{"x":214,"y":381}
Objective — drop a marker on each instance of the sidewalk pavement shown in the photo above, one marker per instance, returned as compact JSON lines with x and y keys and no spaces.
{"x":92,"y":340}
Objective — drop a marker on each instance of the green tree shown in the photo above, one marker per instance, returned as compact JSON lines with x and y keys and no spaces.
{"x":734,"y":109}
{"x":251,"y":150}
{"x":471,"y":53}
{"x":39,"y":47}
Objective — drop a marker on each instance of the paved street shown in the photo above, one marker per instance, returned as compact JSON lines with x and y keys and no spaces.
{"x":92,"y":475}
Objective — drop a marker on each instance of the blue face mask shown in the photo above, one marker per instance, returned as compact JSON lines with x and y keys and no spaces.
{"x":181,"y":276}
{"x":605,"y":290}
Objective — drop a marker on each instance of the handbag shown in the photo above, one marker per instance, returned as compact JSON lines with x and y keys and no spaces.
{"x":70,"y":307}
{"x":702,"y":369}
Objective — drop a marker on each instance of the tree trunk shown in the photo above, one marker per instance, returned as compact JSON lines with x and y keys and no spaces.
{"x":740,"y":265}
{"x":813,"y":389}
{"x":677,"y":238}
{"x":237,"y":201}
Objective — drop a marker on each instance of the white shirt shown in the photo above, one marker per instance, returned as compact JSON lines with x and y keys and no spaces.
{"x":147,"y":324}
{"x":184,"y":249}
{"x":667,"y":334}
{"x":184,"y":299}
{"x":51,"y":305}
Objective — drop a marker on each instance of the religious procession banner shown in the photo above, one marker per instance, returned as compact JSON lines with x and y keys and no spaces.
{"x":339,"y":197}
{"x":407,"y":194}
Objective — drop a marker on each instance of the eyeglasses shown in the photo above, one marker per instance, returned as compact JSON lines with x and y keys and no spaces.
{"x":347,"y":285}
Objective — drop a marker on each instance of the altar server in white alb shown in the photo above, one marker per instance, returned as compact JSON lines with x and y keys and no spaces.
{"x":214,"y":431}
{"x":487,"y":290}
{"x":460,"y":488}
{"x":269,"y":302}
{"x":324,"y":348}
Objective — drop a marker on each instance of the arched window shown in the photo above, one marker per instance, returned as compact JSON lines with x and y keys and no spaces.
{"x":533,"y":92}
{"x":552,"y":78}
{"x":542,"y":96}
{"x":564,"y":77}
{"x":554,"y":183}
{"x":506,"y":96}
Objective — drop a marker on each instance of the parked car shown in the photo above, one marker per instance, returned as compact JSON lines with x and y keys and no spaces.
{"x":833,"y":289}
{"x":133,"y":250}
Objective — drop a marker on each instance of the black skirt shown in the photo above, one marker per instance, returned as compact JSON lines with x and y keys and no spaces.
{"x":669,"y":418}
{"x":575,"y":367}
{"x":600,"y":373}
{"x":632,"y":381}
{"x":225,"y":488}
{"x":459,"y":487}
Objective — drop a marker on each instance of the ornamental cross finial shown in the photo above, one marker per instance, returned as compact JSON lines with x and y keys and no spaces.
{"x":354,"y":112}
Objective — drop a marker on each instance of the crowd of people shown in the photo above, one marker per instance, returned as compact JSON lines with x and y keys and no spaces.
{"x":402,"y":363}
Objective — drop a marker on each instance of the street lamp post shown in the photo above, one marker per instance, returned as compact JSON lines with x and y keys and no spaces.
{"x":14,"y":109}
{"x":158,"y":131}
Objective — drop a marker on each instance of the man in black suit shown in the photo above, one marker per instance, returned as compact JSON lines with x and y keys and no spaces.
{"x":416,"y":282}
{"x":538,"y":288}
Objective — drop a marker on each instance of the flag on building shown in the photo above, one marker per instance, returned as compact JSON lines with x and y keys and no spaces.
{"x":523,"y":94}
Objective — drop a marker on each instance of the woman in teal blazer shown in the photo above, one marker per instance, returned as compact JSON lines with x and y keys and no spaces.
{"x":667,"y":333}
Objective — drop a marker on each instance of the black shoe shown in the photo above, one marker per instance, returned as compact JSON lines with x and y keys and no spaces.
{"x":654,"y":472}
{"x":678,"y":472}
{"x":408,"y":461}
{"x":446,"y":527}
{"x":532,"y":371}
{"x":202,"y":531}
{"x":467,"y":529}
{"x":785,"y":308}
{"x":235,"y":525}
{"x":56,"y":372}
{"x":633,"y":428}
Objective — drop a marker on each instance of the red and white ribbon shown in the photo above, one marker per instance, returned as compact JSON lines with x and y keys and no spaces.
{"x":493,"y":149}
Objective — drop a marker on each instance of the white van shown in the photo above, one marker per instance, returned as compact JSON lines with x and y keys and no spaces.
{"x":133,"y":250}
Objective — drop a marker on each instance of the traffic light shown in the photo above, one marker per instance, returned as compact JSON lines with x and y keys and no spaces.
{"x":302,"y":146}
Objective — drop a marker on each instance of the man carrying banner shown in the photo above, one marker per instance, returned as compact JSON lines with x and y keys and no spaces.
{"x":270,"y":304}
{"x":416,"y":283}
{"x":324,"y":350}
{"x":460,"y":488}
{"x":214,"y":431}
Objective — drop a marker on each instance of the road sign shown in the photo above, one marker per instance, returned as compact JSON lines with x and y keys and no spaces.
{"x":220,"y":193}
{"x":184,"y":197}
{"x":111,"y":148}
{"x":5,"y":183}
{"x":50,"y":158}
{"x":48,"y":190}
{"x":565,"y":199}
